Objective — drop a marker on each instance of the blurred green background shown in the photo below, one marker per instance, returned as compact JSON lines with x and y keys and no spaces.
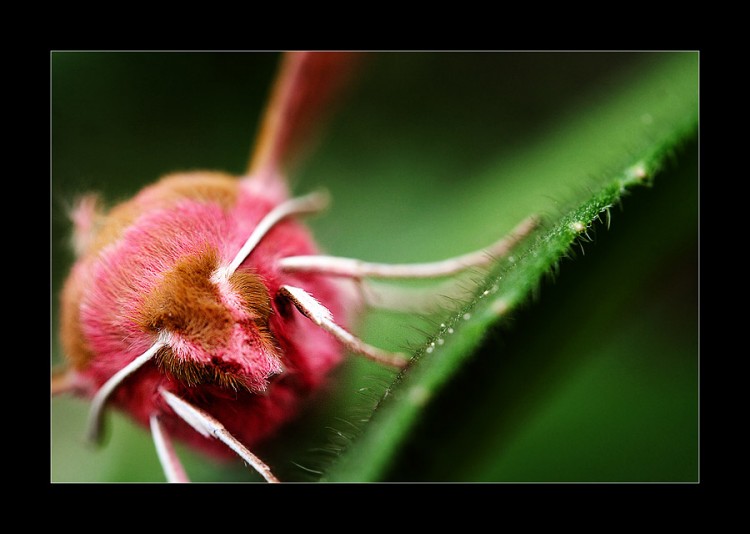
{"x":433,"y":155}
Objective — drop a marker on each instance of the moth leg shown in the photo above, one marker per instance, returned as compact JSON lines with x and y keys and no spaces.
{"x":352,"y":268}
{"x":210,"y":427}
{"x":97,"y":403}
{"x":321,"y":316}
{"x":170,"y":463}
{"x":371,"y":279}
{"x":306,"y":205}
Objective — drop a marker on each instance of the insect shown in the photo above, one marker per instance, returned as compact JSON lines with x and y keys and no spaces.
{"x":204,"y":309}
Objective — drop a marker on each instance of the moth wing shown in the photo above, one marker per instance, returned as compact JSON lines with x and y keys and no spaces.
{"x":306,"y":88}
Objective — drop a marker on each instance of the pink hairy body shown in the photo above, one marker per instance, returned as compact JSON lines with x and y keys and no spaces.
{"x":205,"y":311}
{"x":235,"y":350}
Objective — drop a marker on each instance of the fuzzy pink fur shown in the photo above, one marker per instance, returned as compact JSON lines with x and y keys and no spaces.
{"x":118,"y":278}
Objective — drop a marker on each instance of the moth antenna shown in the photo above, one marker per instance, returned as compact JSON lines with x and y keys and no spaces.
{"x":353,"y":268}
{"x":309,"y":204}
{"x":170,"y":463}
{"x":207,"y":426}
{"x":322,"y":316}
{"x":304,"y":89}
{"x":97,"y":403}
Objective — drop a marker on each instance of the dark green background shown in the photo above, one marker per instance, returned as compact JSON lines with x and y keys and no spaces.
{"x":431,"y":155}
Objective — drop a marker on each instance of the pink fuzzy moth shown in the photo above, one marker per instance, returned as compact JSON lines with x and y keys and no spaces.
{"x":204,"y":309}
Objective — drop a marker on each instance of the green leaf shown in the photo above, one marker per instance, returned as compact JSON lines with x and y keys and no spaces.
{"x":674,"y":106}
{"x":433,"y":155}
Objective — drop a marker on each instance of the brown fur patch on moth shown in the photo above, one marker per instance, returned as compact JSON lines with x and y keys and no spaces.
{"x":188,"y":303}
{"x":192,"y":373}
{"x":208,"y":187}
{"x":253,"y":293}
{"x":256,"y":299}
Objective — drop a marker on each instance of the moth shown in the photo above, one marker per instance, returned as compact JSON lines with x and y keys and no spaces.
{"x":203,"y":307}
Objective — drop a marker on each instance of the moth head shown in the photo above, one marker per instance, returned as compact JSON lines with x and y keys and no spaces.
{"x":215,"y":325}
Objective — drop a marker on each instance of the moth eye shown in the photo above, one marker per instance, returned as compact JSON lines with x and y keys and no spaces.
{"x":284,"y":305}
